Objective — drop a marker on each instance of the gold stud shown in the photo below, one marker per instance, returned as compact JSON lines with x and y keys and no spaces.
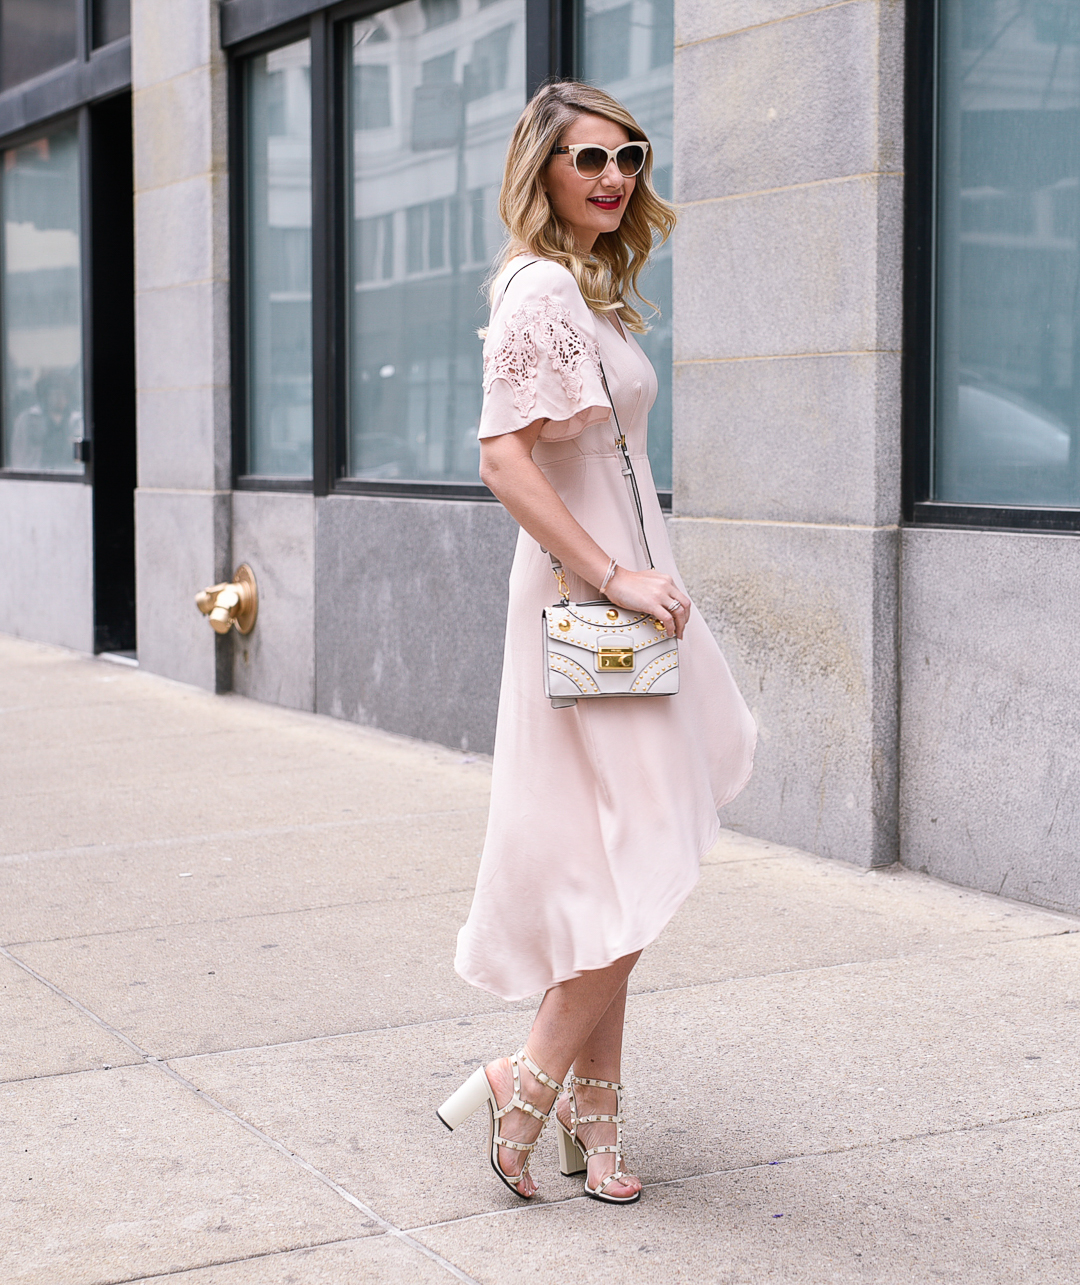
{"x":564,"y":624}
{"x":613,"y":614}
{"x":660,"y":625}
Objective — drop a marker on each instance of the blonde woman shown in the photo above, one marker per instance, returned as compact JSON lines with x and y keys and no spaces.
{"x":599,"y":812}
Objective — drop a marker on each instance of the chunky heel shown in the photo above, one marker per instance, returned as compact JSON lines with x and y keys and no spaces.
{"x":473,"y":1094}
{"x":571,"y":1155}
{"x":477,"y":1091}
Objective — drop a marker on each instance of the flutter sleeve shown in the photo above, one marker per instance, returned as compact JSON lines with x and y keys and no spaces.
{"x":541,"y":359}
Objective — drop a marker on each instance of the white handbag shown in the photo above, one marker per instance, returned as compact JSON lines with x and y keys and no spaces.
{"x":594,"y":649}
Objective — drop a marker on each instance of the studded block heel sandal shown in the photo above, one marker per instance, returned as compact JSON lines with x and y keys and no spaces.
{"x":477,"y":1091}
{"x":574,"y":1158}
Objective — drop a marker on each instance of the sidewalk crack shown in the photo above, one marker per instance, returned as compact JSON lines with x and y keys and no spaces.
{"x":149,"y":1058}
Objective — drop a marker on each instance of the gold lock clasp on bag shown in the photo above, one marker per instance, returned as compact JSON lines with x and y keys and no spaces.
{"x":615,"y":658}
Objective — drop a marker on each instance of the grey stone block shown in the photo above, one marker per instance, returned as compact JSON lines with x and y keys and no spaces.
{"x":990,"y":686}
{"x":766,"y":108}
{"x":790,"y":439}
{"x":806,"y":616}
{"x":181,"y":546}
{"x":46,"y":556}
{"x":275,"y":535}
{"x":181,"y":232}
{"x":181,"y":335}
{"x":184,"y":439}
{"x":410,"y":601}
{"x":812,"y":270}
{"x":705,"y":19}
{"x":174,"y":124}
{"x":170,"y":39}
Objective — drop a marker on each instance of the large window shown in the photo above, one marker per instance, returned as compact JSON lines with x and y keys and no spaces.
{"x":434,"y":91}
{"x":278,"y":239}
{"x":41,"y":305}
{"x":372,"y":147}
{"x":627,"y":49}
{"x":1006,"y":348}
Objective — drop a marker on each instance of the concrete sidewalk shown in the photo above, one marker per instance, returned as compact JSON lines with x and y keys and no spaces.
{"x":229,"y":1011}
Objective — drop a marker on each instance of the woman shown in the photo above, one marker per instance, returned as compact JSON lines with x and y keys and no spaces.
{"x":599,"y":812}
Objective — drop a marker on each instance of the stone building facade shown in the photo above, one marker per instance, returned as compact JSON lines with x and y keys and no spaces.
{"x":868,"y":349}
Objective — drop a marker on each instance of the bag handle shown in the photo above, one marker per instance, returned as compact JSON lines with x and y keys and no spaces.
{"x":621,"y":449}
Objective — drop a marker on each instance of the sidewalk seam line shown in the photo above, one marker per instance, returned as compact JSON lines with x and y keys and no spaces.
{"x":762,"y":1164}
{"x":659,"y":990}
{"x":233,"y":919}
{"x":150,"y":1060}
{"x":249,"y":1258}
{"x":227,"y":836}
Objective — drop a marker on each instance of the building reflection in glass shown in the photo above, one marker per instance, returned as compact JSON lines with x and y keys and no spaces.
{"x":278,"y":212}
{"x":436,"y":88}
{"x":627,"y":49}
{"x":1007,"y":342}
{"x":42,"y":305}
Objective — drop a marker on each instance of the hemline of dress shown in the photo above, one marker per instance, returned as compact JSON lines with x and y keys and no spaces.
{"x":556,"y":981}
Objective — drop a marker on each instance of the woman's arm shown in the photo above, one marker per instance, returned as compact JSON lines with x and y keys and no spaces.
{"x":508,"y":469}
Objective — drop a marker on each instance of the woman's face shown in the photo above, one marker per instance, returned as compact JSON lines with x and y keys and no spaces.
{"x":588,"y":206}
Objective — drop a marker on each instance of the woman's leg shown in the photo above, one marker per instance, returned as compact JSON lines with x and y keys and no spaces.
{"x":601,"y":1059}
{"x":567,"y":1017}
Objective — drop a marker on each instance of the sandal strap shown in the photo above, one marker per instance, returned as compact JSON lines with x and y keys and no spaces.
{"x":519,"y":1104}
{"x":536,"y":1073}
{"x":617,"y":1176}
{"x":600,"y":1151}
{"x":601,"y":1119}
{"x":500,"y":1141}
{"x":597,"y":1084}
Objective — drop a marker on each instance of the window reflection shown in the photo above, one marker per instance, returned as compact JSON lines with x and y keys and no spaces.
{"x":42,"y":311}
{"x":1008,"y":272}
{"x":436,"y":88}
{"x":35,"y":37}
{"x":628,"y":50}
{"x":278,"y":211}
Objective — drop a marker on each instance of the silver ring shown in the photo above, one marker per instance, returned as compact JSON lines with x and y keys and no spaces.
{"x":675,"y":606}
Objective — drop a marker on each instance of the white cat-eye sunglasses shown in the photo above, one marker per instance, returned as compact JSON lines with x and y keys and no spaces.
{"x":591,"y":160}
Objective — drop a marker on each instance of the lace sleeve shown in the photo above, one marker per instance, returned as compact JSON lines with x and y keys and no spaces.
{"x":542,"y":362}
{"x":539,"y":330}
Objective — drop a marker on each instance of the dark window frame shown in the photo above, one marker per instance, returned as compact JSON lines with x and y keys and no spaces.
{"x":254,"y":26}
{"x":50,"y":101}
{"x":918,"y":507}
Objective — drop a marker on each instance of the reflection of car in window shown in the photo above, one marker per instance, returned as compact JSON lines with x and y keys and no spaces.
{"x":1003,"y":449}
{"x":44,"y":434}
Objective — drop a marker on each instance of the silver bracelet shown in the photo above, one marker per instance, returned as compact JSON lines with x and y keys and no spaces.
{"x":612,"y":568}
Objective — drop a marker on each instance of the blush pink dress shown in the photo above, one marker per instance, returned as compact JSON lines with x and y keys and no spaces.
{"x":600,"y":812}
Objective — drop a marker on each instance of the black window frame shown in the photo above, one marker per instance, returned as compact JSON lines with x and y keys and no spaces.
{"x":918,"y":508}
{"x":50,"y":101}
{"x":254,"y":26}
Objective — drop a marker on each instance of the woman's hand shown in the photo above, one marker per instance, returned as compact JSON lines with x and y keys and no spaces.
{"x":651,"y":591}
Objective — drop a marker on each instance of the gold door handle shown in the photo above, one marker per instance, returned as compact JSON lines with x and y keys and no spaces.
{"x":231,"y":606}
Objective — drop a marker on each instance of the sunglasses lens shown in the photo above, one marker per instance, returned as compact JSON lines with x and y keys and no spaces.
{"x":631,"y":159}
{"x":591,"y":162}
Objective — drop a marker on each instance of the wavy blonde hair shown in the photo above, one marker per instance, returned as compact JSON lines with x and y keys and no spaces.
{"x":610,"y":273}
